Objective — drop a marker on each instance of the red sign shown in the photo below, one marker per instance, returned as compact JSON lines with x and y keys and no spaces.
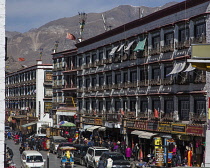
{"x":197,"y":130}
{"x":142,"y":125}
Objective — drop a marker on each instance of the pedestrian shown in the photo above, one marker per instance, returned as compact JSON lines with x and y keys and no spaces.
{"x":136,"y":151}
{"x":10,"y":152}
{"x":9,"y":135}
{"x":21,"y":149}
{"x":128,"y":153}
{"x":101,"y":163}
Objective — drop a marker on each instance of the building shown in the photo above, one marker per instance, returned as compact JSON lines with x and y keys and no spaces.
{"x":64,"y":86}
{"x":29,"y":97}
{"x":135,"y":84}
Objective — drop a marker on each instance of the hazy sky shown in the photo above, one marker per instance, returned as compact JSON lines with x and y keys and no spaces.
{"x":23,"y":15}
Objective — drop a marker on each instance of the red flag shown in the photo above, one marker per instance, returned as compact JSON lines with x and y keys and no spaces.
{"x":156,"y":113}
{"x":122,"y":112}
{"x":70,"y":36}
{"x":21,"y":59}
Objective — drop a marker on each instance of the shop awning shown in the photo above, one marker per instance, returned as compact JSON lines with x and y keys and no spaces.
{"x":147,"y":135}
{"x":179,"y":67}
{"x":113,"y":50}
{"x":65,"y":113}
{"x":140,"y":45}
{"x":136,"y":132}
{"x":93,"y":128}
{"x":129,"y":45}
{"x":29,"y":124}
{"x":189,"y":68}
{"x":102,"y":129}
{"x":120,"y":48}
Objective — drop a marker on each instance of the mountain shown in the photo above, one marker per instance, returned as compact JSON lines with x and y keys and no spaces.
{"x":39,"y":43}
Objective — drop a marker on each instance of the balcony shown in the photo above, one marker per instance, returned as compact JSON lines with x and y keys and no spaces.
{"x":125,"y":57}
{"x":154,"y":82}
{"x":167,"y":81}
{"x":133,"y":56}
{"x":201,"y":39}
{"x":200,"y":78}
{"x":182,"y":44}
{"x":143,"y":83}
{"x":183,"y":80}
{"x":100,"y":62}
{"x":114,"y":117}
{"x":167,"y":48}
{"x":154,"y":51}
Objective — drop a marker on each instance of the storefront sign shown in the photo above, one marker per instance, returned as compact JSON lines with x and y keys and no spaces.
{"x":179,"y":128}
{"x":197,"y":130}
{"x":142,"y":125}
{"x":164,"y":127}
{"x":98,"y":121}
{"x":159,"y":157}
{"x":152,"y":125}
{"x":130,"y":124}
{"x":89,"y":120}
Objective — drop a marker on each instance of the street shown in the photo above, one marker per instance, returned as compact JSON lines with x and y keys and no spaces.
{"x":54,"y":162}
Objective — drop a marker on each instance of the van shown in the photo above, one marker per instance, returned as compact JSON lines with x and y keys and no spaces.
{"x":31,"y":158}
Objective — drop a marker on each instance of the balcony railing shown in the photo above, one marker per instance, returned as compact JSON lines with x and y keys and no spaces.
{"x":167,"y":48}
{"x":154,"y":51}
{"x":154,"y":82}
{"x":201,"y":39}
{"x":143,"y":83}
{"x":200,"y":78}
{"x":182,"y":44}
{"x":125,"y":57}
{"x":115,"y":117}
{"x":167,"y":81}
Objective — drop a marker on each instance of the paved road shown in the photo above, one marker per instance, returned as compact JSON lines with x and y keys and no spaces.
{"x":54,"y":162}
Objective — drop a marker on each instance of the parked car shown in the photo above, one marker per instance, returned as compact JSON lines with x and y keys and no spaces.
{"x":117,"y":159}
{"x":80,"y":152}
{"x":55,"y":141}
{"x":60,"y":152}
{"x":31,"y":158}
{"x":93,"y":154}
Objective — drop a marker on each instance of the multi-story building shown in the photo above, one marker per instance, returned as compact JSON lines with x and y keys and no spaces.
{"x":29,"y":97}
{"x":64,"y":86}
{"x":135,"y":81}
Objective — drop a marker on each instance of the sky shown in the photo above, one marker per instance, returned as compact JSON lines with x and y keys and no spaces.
{"x":23,"y":15}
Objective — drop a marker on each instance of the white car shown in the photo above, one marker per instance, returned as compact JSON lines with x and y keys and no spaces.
{"x":93,"y":154}
{"x":31,"y":159}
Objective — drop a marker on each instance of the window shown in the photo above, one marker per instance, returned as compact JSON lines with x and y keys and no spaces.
{"x":101,"y":80}
{"x":125,"y":77}
{"x":94,"y":105}
{"x":117,"y":78}
{"x":87,"y":83}
{"x":144,"y":106}
{"x":80,"y":83}
{"x":108,"y":105}
{"x":143,"y":74}
{"x":100,"y":105}
{"x":94,"y":81}
{"x":167,"y":70}
{"x":107,"y":53}
{"x":184,"y":109}
{"x":133,"y":77}
{"x":48,"y":92}
{"x":169,"y":106}
{"x":109,"y":79}
{"x":200,"y":108}
{"x":117,"y":106}
{"x":87,"y":60}
{"x":183,"y":34}
{"x":133,"y":105}
{"x":169,"y":38}
{"x":80,"y":61}
{"x":155,"y":73}
{"x":80,"y":105}
{"x":200,"y":30}
{"x":94,"y":58}
{"x":100,"y":55}
{"x":156,"y":42}
{"x":156,"y":105}
{"x":87,"y":105}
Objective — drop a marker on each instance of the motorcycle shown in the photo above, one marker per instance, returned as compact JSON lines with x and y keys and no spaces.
{"x":16,"y":141}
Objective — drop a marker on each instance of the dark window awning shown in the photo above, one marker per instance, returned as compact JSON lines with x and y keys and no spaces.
{"x":113,"y":51}
{"x":29,"y":124}
{"x":179,"y":67}
{"x":140,"y":46}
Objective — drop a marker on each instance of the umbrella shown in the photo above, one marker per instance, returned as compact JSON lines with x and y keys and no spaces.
{"x":68,"y":124}
{"x":62,"y":122}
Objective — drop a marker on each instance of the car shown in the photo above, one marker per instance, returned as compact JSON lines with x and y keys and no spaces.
{"x":79,"y":153}
{"x":31,"y":158}
{"x":55,"y":141}
{"x":62,"y":144}
{"x":93,"y":154}
{"x":115,"y":159}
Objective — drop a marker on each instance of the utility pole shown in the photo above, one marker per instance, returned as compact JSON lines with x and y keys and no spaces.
{"x":2,"y":80}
